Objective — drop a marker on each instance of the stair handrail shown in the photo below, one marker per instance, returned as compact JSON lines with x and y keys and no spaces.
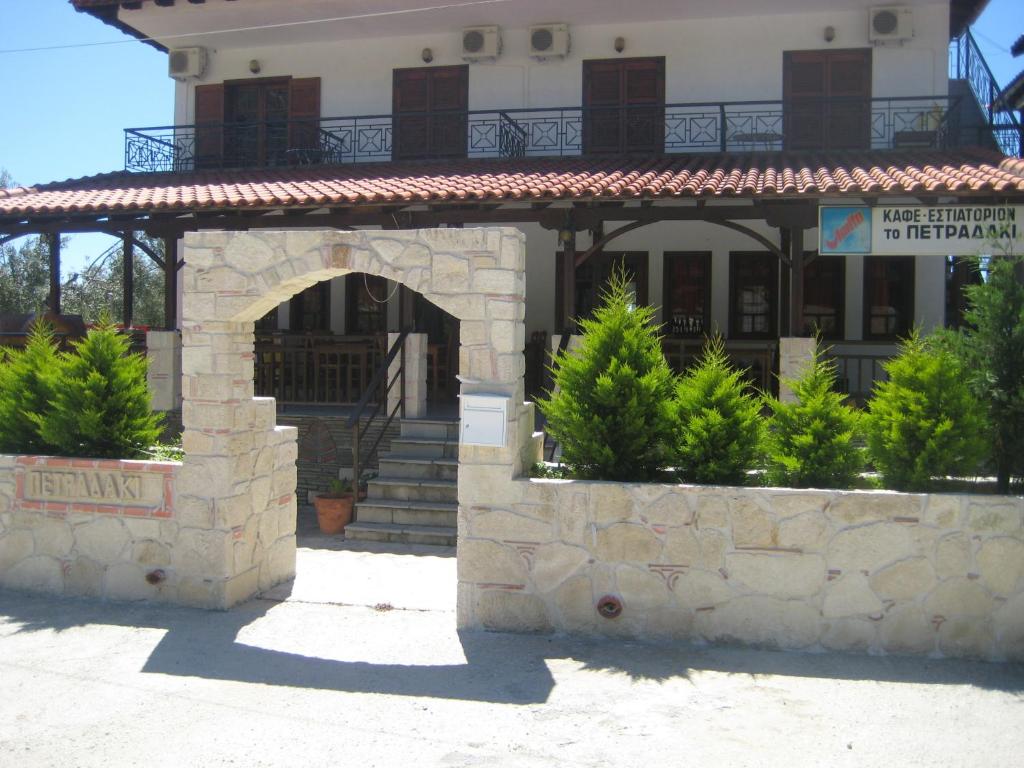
{"x":970,"y":60}
{"x":379,"y":377}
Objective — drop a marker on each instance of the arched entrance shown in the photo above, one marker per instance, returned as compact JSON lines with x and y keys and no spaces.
{"x":236,"y":492}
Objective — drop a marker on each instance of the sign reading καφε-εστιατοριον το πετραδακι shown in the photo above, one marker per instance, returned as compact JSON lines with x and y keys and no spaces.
{"x":920,"y":230}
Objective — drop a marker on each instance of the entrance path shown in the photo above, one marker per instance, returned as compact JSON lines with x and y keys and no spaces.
{"x":318,"y":677}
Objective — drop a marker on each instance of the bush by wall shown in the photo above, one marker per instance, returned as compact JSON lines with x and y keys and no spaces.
{"x":810,"y":442}
{"x":27,"y":380}
{"x":924,"y":422}
{"x":720,"y":426}
{"x":611,"y":409}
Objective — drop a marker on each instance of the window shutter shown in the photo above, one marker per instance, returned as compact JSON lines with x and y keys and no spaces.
{"x":450,"y":94}
{"x":430,"y":112}
{"x":827,"y":97}
{"x":209,"y":138}
{"x":304,"y":113}
{"x":608,"y":86}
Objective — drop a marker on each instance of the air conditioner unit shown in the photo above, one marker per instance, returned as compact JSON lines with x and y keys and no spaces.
{"x":892,"y":24}
{"x":549,"y":41}
{"x":185,"y":63}
{"x":481,"y":43}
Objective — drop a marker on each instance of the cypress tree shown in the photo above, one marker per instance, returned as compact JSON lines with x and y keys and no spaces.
{"x":27,"y":381}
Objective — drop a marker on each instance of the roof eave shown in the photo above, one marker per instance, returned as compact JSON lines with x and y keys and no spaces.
{"x":108,"y":15}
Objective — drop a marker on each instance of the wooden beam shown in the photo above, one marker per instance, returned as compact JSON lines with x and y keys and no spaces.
{"x":127,"y":279}
{"x":170,"y":283}
{"x":602,"y":242}
{"x":53,"y":301}
{"x":567,"y":322}
{"x":796,"y":291}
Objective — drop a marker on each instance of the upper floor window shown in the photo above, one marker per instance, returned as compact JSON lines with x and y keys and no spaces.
{"x":753,"y":295}
{"x":824,"y":293}
{"x":430,"y":105}
{"x":888,"y":296}
{"x":263,"y":121}
{"x":623,"y":105}
{"x":827,"y":99}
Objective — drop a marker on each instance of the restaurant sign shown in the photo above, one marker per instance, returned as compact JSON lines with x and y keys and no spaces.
{"x":920,"y":230}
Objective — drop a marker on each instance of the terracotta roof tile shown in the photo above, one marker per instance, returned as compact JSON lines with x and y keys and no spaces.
{"x":963,"y":172}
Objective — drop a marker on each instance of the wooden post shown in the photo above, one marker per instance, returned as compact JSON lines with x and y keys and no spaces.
{"x":796,"y":281}
{"x":785,"y":315}
{"x":568,"y":267}
{"x":54,"y":297}
{"x":128,"y":279}
{"x":171,"y":283}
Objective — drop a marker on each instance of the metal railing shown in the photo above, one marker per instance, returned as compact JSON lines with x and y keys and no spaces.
{"x":376,"y":394}
{"x":312,"y":369}
{"x":740,"y":126}
{"x":967,"y":63}
{"x":859,"y":366}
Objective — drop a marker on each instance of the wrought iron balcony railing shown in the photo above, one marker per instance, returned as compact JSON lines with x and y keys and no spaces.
{"x":967,"y":63}
{"x":747,"y":126}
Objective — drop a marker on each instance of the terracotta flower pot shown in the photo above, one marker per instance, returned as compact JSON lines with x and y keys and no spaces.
{"x":333,"y":513}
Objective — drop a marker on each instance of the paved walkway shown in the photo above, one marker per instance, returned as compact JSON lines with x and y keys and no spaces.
{"x":319,"y":677}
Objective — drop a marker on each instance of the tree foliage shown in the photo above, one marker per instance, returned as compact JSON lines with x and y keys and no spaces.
{"x":611,"y":408}
{"x":810,"y":442}
{"x":719,"y":432}
{"x":924,"y":422}
{"x":101,"y":403}
{"x":27,"y":382}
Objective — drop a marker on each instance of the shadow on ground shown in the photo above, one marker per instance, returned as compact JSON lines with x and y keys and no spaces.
{"x":498,"y":667}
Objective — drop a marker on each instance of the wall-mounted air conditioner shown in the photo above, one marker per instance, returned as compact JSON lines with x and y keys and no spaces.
{"x":186,"y":63}
{"x":890,"y":24}
{"x":549,"y":41}
{"x":481,"y":43}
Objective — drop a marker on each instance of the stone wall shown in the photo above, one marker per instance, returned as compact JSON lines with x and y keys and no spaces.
{"x":853,"y":571}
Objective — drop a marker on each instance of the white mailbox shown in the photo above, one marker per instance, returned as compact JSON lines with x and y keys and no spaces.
{"x":484,"y":420}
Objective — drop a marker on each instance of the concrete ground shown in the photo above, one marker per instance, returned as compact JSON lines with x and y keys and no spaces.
{"x":317,"y":676}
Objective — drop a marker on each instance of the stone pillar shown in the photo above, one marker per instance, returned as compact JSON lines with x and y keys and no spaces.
{"x":795,"y":354}
{"x":415,"y":375}
{"x":163,"y":351}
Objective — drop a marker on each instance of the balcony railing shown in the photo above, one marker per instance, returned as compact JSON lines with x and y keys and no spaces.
{"x":967,"y":63}
{"x":742,"y":126}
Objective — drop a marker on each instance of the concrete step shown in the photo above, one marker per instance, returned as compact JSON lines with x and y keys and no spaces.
{"x":434,"y":429}
{"x":399,"y":512}
{"x":402,"y":534}
{"x":413,"y":489}
{"x":422,"y":446}
{"x":425,"y":467}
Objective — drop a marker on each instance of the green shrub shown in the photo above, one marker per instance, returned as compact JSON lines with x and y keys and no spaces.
{"x":810,"y":442}
{"x":611,"y":409}
{"x":924,"y":422}
{"x":27,"y":379}
{"x":101,"y":403}
{"x":719,"y":432}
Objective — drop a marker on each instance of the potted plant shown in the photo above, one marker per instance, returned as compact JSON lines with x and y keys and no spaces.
{"x":334,"y":508}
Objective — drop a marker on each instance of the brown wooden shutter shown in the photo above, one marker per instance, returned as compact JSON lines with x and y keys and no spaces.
{"x":611,"y":85}
{"x":303,"y":114}
{"x":429,"y":105}
{"x":849,"y":87}
{"x":827,"y":96}
{"x":209,"y":141}
{"x":449,"y":101}
{"x":643,"y":83}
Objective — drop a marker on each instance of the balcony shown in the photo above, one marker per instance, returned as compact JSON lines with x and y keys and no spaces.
{"x":747,"y":126}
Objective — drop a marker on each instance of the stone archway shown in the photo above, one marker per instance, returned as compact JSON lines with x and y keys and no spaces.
{"x":235,"y":495}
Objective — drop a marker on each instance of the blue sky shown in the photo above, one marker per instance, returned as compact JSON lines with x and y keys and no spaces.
{"x":65,"y":110}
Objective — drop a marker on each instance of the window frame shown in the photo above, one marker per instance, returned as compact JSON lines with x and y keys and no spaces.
{"x":667,"y":286}
{"x":840,"y":261}
{"x":910,"y":264}
{"x":735,"y":257}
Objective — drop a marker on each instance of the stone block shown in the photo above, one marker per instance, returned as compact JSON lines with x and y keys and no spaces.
{"x":448,"y":274}
{"x":627,"y":543}
{"x":761,"y":621}
{"x":807,"y":532}
{"x":510,"y":611}
{"x":682,"y":547}
{"x":871,"y":506}
{"x":908,"y":579}
{"x":696,"y":589}
{"x":713,"y":546}
{"x":36,"y":574}
{"x":103,"y":539}
{"x":1009,"y":629}
{"x":574,"y":605}
{"x":278,"y":563}
{"x":501,"y":281}
{"x":779,"y":574}
{"x":151,"y":554}
{"x":127,"y":581}
{"x":969,"y":638}
{"x":487,"y":562}
{"x":502,"y":524}
{"x":942,"y":510}
{"x":712,"y":511}
{"x":241,"y":587}
{"x":870,"y":547}
{"x":1001,"y":565}
{"x":555,"y":563}
{"x":752,"y":523}
{"x":53,"y":537}
{"x":906,"y":630}
{"x":609,"y":503}
{"x":202,"y":553}
{"x":787,"y":505}
{"x":959,"y":597}
{"x":84,"y":578}
{"x":670,"y":509}
{"x":642,"y":592}
{"x":849,"y":635}
{"x":995,"y":515}
{"x":669,"y":623}
{"x":850,"y":596}
{"x":953,"y":556}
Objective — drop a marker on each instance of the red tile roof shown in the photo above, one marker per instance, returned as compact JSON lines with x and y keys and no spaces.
{"x":962,"y":173}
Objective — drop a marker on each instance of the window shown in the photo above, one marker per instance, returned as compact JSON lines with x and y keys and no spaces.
{"x":592,"y":276}
{"x":366,"y":304}
{"x":624,"y":105}
{"x":687,"y":302}
{"x":827,"y":99}
{"x":888,"y":296}
{"x":753,"y":295}
{"x":430,"y":119}
{"x":310,"y":311}
{"x":960,"y":273}
{"x":824,"y":293}
{"x":258,"y":122}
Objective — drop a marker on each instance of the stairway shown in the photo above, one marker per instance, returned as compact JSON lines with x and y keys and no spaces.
{"x":414,"y":498}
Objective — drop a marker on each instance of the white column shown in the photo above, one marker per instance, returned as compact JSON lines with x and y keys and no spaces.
{"x":415,"y":375}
